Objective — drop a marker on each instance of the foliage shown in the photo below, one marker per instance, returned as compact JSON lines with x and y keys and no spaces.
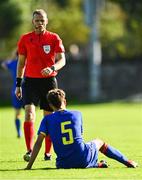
{"x":9,"y":18}
{"x":121,"y":33}
{"x":62,"y":3}
{"x":68,"y":22}
{"x":132,"y":7}
{"x":13,"y":16}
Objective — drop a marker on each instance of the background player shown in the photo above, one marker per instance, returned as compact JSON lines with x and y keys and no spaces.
{"x":41,"y":55}
{"x":65,"y":129}
{"x":11,"y":65}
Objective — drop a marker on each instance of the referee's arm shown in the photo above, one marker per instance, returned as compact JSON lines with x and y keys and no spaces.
{"x":60,"y":61}
{"x":20,"y":74}
{"x":20,"y":66}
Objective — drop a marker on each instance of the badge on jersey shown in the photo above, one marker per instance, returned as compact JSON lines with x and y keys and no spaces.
{"x":46,"y":48}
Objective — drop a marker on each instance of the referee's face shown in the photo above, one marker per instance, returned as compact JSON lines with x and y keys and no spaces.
{"x":39,"y":22}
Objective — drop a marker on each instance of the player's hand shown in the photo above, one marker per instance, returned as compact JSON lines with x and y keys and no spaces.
{"x":18,"y":92}
{"x":46,"y":71}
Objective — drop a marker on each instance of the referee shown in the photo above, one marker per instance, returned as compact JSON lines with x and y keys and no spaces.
{"x":41,"y":55}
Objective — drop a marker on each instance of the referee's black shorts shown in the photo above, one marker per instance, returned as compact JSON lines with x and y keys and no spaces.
{"x":35,"y":91}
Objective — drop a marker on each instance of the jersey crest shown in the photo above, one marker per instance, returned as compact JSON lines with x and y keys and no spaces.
{"x":46,"y":48}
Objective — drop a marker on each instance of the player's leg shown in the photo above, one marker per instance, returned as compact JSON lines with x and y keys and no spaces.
{"x":98,"y":144}
{"x":113,"y":153}
{"x":18,"y":122}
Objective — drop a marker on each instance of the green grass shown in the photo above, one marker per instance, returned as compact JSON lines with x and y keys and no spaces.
{"x":119,"y":124}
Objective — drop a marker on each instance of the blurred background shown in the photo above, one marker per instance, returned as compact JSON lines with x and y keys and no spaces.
{"x":103,"y":42}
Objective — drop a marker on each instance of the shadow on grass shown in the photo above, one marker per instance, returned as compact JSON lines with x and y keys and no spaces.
{"x":37,"y":169}
{"x":5,"y":170}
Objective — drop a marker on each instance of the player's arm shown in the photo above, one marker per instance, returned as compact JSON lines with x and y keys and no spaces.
{"x":20,"y":74}
{"x":36,"y":149}
{"x":60,"y":62}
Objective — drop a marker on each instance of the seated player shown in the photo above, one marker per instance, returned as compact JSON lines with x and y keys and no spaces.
{"x":65,"y":129}
{"x":11,"y":66}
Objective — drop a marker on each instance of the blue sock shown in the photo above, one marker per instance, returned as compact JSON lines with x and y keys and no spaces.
{"x":113,"y":153}
{"x":18,"y":127}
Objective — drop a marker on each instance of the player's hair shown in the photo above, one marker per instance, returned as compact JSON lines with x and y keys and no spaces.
{"x":39,"y":12}
{"x":55,"y":97}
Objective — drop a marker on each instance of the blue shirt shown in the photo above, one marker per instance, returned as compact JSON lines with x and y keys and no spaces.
{"x":65,"y":130}
{"x":12,"y":66}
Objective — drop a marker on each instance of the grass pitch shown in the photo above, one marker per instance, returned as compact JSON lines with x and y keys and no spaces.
{"x":119,"y":124}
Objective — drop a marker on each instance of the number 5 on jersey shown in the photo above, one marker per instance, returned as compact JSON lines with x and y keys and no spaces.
{"x":70,"y":139}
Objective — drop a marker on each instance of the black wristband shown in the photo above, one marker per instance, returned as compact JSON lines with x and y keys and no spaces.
{"x":53,"y":68}
{"x":18,"y":82}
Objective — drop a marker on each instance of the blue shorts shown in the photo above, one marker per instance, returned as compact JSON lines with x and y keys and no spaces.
{"x":92,"y":155}
{"x":87,"y":158}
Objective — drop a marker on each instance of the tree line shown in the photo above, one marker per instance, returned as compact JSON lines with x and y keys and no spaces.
{"x":120,"y":26}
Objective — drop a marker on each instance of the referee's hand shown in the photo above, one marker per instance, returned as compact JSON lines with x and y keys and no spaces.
{"x":18,"y":92}
{"x":46,"y":71}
